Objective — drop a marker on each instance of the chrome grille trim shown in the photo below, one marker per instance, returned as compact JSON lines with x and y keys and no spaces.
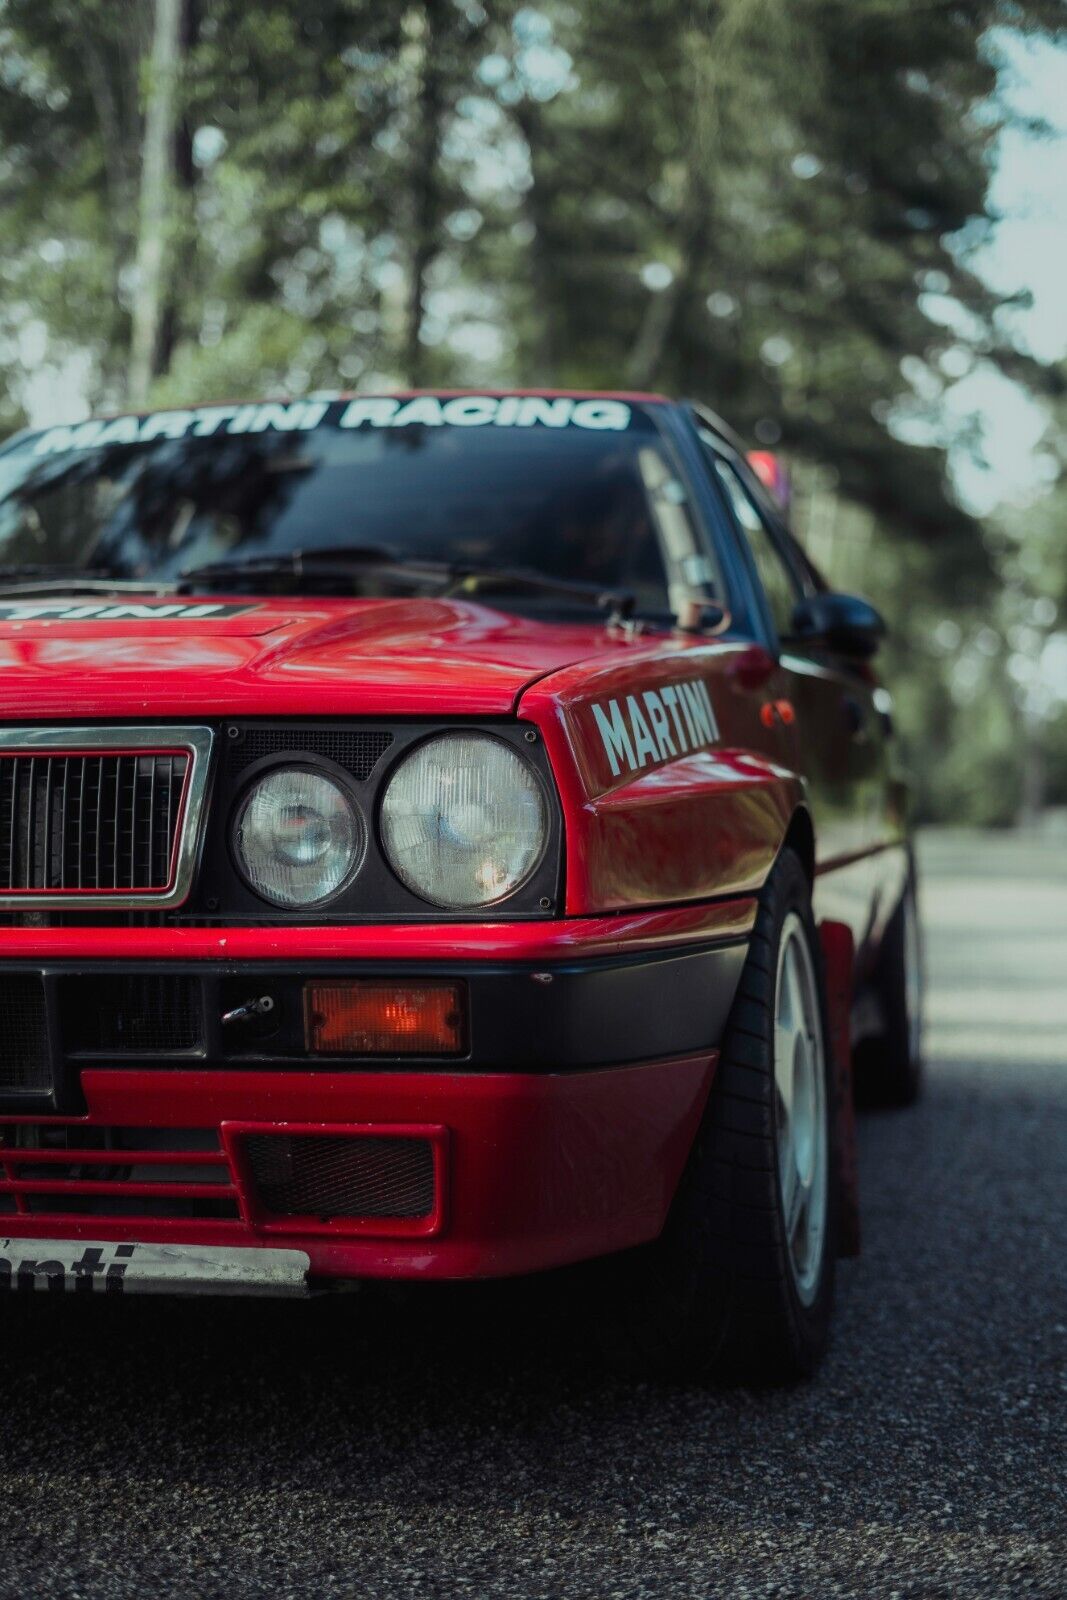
{"x":196,"y":742}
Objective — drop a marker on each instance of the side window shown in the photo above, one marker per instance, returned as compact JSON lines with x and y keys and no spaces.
{"x":779,"y":582}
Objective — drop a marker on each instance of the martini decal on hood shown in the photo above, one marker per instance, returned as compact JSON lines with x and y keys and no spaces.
{"x":118,"y":611}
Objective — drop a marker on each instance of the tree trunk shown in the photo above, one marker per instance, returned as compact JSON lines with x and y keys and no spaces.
{"x":170,"y":326}
{"x":157,"y":198}
{"x":425,"y":184}
{"x":664,"y":308}
{"x":542,"y":368}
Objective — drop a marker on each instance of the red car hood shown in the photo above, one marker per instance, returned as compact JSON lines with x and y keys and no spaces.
{"x":214,"y":657}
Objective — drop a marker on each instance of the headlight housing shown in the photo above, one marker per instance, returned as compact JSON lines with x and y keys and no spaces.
{"x":298,"y":837}
{"x":464,"y":822}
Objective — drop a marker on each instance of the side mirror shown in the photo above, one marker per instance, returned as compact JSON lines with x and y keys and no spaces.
{"x":842,"y":622}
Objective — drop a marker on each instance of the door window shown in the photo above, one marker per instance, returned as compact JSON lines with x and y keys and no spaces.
{"x":777,"y":577}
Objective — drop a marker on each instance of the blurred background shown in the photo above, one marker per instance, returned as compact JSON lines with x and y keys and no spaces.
{"x":841,"y":224}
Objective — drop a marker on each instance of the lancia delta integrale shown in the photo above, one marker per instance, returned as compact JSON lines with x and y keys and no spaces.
{"x":442,"y":836}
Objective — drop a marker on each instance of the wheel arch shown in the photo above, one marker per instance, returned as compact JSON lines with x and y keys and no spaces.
{"x":800,"y":838}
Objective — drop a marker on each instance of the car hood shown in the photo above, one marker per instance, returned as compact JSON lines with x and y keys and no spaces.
{"x":107,"y":656}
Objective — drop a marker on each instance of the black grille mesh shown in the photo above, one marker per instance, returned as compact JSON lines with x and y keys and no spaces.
{"x":24,"y":1060}
{"x":89,"y":822}
{"x":134,"y":1013}
{"x":357,"y":750}
{"x":308,"y":1176}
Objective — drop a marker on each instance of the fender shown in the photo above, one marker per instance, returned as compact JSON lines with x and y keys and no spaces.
{"x":671,"y":789}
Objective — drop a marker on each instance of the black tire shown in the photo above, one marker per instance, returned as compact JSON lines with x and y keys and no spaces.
{"x":889,"y":1065}
{"x":717,"y":1295}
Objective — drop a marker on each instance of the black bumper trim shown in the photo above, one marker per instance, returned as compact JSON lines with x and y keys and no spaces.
{"x":548,"y":1017}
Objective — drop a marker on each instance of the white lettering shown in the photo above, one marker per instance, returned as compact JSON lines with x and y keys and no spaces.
{"x":507,"y":410}
{"x":642,"y":737}
{"x":700,"y":712}
{"x":615,"y":737}
{"x":469,"y":411}
{"x":243,"y":419}
{"x":425,"y":408}
{"x":54,"y":440}
{"x":379,"y":413}
{"x":660,"y":727}
{"x":670,"y":700}
{"x":644,"y":744}
{"x":551,"y":413}
{"x":210,"y":419}
{"x":166,"y":424}
{"x":610,"y":414}
{"x":123,"y":430}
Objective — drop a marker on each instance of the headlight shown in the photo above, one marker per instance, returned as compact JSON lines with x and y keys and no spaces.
{"x":298,"y":837}
{"x":463,"y":821}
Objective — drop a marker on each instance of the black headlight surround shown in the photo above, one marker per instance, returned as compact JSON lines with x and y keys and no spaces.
{"x":372,"y":750}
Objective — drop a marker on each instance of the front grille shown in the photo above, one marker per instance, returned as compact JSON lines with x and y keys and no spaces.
{"x":357,"y":750}
{"x":312,"y":1176}
{"x":80,"y":823}
{"x":138,"y":1013}
{"x":78,"y":1169}
{"x":25,"y":1065}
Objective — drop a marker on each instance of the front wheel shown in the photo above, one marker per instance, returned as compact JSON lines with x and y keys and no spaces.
{"x":740,"y":1284}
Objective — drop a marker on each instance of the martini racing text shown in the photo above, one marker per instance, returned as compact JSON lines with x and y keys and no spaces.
{"x":660,"y":726}
{"x":382,"y":411}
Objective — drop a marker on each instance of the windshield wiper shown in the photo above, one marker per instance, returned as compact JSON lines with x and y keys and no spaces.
{"x":346,"y":564}
{"x":31,"y":577}
{"x":470,"y":577}
{"x":326,"y":561}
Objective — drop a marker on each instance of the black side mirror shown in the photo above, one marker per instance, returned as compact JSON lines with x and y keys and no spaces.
{"x":842,"y":622}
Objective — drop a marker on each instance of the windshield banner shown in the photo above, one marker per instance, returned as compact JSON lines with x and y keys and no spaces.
{"x":383,"y":411}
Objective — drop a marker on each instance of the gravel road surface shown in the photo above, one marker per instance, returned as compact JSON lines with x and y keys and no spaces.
{"x":452,"y":1443}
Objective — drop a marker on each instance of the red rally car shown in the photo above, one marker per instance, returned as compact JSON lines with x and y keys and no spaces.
{"x":441,"y":836}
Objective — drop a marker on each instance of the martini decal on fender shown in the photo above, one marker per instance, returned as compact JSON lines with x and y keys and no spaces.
{"x":655,"y":726}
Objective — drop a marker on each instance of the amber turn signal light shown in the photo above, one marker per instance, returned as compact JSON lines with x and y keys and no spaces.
{"x":362,"y":1018}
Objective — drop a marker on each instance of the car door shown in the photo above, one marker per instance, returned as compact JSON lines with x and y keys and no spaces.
{"x":828,"y":703}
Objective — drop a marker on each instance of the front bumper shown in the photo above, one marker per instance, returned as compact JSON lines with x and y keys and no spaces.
{"x":561,"y":1136}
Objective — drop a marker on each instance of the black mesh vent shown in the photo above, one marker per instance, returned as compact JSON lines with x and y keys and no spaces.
{"x":101,"y":823}
{"x":308,"y":1176}
{"x":137,"y":1013}
{"x":357,"y":750}
{"x":24,"y":1060}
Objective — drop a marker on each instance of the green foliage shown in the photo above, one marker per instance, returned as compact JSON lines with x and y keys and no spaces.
{"x":771,"y":204}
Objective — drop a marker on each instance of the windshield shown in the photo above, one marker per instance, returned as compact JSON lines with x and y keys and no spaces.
{"x":582,"y":490}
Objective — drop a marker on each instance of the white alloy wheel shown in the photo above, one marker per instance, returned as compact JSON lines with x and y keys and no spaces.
{"x":801,"y":1107}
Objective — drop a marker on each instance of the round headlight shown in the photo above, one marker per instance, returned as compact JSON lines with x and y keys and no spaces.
{"x":298,"y":837}
{"x":463,"y":820}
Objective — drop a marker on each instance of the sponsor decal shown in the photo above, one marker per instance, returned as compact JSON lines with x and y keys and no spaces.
{"x":93,"y":1267}
{"x":301,"y":416}
{"x":484,"y":410}
{"x":657,"y":725}
{"x":117,"y":611}
{"x":33,"y":1269}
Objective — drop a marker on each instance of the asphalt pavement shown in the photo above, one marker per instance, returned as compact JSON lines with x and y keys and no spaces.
{"x":459,"y":1443}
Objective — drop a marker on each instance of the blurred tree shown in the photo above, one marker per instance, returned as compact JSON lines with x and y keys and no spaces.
{"x":772,"y":204}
